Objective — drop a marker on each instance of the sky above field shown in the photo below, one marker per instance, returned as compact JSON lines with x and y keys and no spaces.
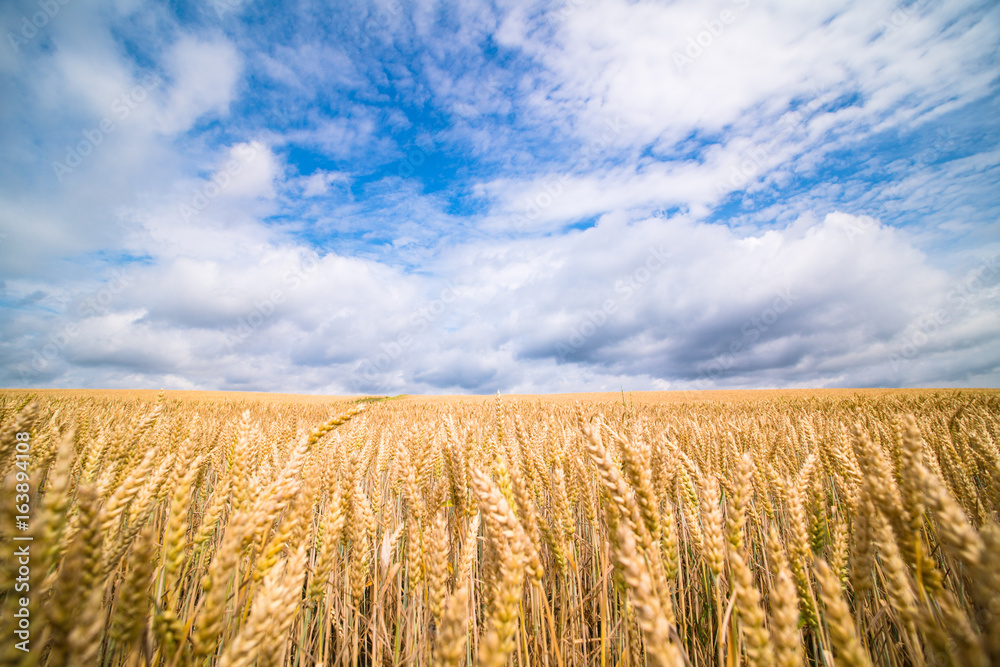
{"x":466,"y":197}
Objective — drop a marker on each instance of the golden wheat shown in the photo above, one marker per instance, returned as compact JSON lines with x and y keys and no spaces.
{"x":785,"y":528}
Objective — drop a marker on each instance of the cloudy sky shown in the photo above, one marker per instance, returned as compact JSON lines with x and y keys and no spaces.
{"x":410,"y":196}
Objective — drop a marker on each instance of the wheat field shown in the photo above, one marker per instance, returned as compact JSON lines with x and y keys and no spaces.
{"x":731,"y":528}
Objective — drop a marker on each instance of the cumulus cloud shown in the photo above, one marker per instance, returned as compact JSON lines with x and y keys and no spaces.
{"x":658,"y":302}
{"x":253,"y":168}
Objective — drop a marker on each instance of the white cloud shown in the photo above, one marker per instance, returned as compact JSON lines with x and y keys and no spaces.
{"x":666,"y":69}
{"x":204,"y":74}
{"x":640,"y":304}
{"x":311,"y":67}
{"x":319,"y":183}
{"x":337,"y":137}
{"x":252,"y":168}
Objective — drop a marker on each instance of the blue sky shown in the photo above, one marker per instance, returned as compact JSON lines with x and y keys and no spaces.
{"x":465,"y":197}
